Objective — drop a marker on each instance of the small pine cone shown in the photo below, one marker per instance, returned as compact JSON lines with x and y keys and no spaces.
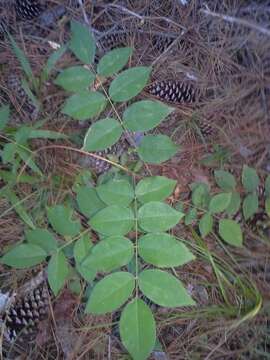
{"x":206,"y":128}
{"x":3,"y":27}
{"x":28,"y":9}
{"x":173,"y":91}
{"x":259,"y":222}
{"x":23,"y":316}
{"x":111,"y":41}
{"x":101,"y":166}
{"x":161,"y":43}
{"x":16,"y":89}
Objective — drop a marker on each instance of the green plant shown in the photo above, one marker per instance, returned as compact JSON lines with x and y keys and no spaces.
{"x":127,"y":239}
{"x":227,"y":203}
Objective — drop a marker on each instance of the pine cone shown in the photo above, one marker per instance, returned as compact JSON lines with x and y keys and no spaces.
{"x":23,"y":316}
{"x":161,"y":43}
{"x":173,"y":91}
{"x":206,"y":128}
{"x":3,"y":27}
{"x":28,"y":9}
{"x":16,"y":89}
{"x":112,"y":41}
{"x":101,"y":166}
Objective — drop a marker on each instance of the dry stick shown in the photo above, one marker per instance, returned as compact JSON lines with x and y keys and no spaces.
{"x":235,"y":20}
{"x":142,"y":17}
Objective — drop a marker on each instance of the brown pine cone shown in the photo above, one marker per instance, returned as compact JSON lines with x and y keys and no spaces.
{"x":173,"y":91}
{"x":27,"y":9}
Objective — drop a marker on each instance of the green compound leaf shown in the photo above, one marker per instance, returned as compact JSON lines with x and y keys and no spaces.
{"x":88,"y":201}
{"x":267,"y":206}
{"x":113,"y":61}
{"x":156,"y":149}
{"x":225,"y":180}
{"x":129,"y":83}
{"x":75,"y":78}
{"x":81,"y":250}
{"x":164,"y":289}
{"x":206,"y":224}
{"x":17,"y":205}
{"x":231,"y":232}
{"x":82,"y":43}
{"x":154,"y":188}
{"x":235,"y":203}
{"x":163,"y":250}
{"x":24,"y":256}
{"x":157,"y":217}
{"x":113,"y":220}
{"x":57,"y":272}
{"x":102,"y":134}
{"x":25,"y":64}
{"x":250,"y":205}
{"x":250,"y":179}
{"x":200,"y":196}
{"x":60,"y":218}
{"x":4,"y":116}
{"x":42,"y":238}
{"x":110,"y":293}
{"x":220,"y":202}
{"x":138,"y":329}
{"x":110,"y":254}
{"x":51,"y":62}
{"x":118,"y":192}
{"x":85,"y":105}
{"x":267,"y":186}
{"x":145,"y":115}
{"x":191,"y":216}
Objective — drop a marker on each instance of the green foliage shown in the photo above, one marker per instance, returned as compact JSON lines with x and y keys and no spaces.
{"x":127,"y":219}
{"x":82,"y":42}
{"x":113,"y":220}
{"x":250,"y":179}
{"x":25,"y":64}
{"x":102,"y":135}
{"x":206,"y":224}
{"x":75,"y":78}
{"x":110,"y":254}
{"x":84,"y":105}
{"x":60,"y":218}
{"x":156,"y":149}
{"x":88,"y":201}
{"x":113,"y":61}
{"x":116,"y":192}
{"x":250,"y":205}
{"x":42,"y":238}
{"x":219,"y":202}
{"x":164,"y":289}
{"x":57,"y":271}
{"x":225,"y":180}
{"x":4,"y":116}
{"x":145,"y":115}
{"x":155,"y":188}
{"x":230,"y":232}
{"x":138,"y":329}
{"x":156,"y":216}
{"x":110,"y":293}
{"x":227,"y":202}
{"x":24,"y":256}
{"x":129,"y":83}
{"x":163,"y":250}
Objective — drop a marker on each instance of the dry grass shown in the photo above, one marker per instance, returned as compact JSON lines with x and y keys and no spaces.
{"x":229,"y":62}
